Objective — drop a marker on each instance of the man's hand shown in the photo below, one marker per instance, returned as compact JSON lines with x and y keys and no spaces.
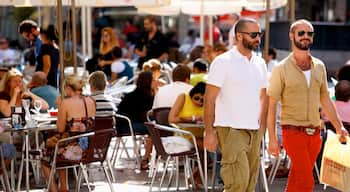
{"x":210,"y":141}
{"x":274,"y":148}
{"x":343,"y":133}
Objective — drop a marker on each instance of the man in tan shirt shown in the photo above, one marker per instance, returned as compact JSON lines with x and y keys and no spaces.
{"x":299,"y":82}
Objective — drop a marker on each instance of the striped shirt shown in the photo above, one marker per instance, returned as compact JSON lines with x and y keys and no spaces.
{"x":104,"y":104}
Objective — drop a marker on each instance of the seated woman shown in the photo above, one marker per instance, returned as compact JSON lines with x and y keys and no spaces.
{"x":188,"y":108}
{"x":12,"y":92}
{"x":71,"y":111}
{"x":120,"y":67}
{"x":135,"y":106}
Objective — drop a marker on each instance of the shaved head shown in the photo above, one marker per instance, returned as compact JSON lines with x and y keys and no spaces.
{"x":299,"y":22}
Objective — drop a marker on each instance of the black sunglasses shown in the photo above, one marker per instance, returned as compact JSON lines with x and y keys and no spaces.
{"x":253,"y":35}
{"x":198,"y":98}
{"x":309,"y":33}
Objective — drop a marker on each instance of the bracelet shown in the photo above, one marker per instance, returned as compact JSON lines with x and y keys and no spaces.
{"x":193,"y":118}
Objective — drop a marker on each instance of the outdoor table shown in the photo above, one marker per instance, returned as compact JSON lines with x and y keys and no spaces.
{"x":43,"y":124}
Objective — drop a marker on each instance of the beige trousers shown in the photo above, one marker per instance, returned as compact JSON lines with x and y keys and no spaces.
{"x":240,"y":162}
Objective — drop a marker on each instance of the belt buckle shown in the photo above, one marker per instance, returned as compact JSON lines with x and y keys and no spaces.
{"x":310,"y":131}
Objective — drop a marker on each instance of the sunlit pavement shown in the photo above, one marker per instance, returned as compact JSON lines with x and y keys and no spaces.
{"x":128,"y":178}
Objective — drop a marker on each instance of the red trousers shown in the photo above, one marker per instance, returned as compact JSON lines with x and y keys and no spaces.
{"x":303,"y":150}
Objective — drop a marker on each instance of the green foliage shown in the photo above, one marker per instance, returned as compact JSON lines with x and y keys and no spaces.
{"x":22,"y":13}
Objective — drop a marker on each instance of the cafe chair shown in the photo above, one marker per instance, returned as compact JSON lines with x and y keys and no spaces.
{"x":99,"y":141}
{"x":120,"y":143}
{"x":160,"y":116}
{"x":163,"y":156}
{"x":3,"y":173}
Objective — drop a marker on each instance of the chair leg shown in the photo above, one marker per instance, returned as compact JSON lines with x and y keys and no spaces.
{"x":21,"y":168}
{"x":125,"y":149}
{"x":75,"y":173}
{"x":115,"y":152}
{"x":4,"y":176}
{"x":186,"y":173}
{"x":274,"y":169}
{"x":177,"y":173}
{"x":190,"y":172}
{"x":164,"y":172}
{"x":155,"y":172}
{"x":110,"y":169}
{"x":108,"y":177}
{"x":170,"y":176}
{"x":263,"y":174}
{"x":51,"y":177}
{"x":78,"y":184}
{"x":137,"y":152}
{"x":213,"y":177}
{"x":152,"y":161}
{"x":86,"y":177}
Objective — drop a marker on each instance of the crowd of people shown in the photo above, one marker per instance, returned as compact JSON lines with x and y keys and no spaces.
{"x":234,"y":91}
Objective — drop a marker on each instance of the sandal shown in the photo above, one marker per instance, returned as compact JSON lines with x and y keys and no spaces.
{"x":144,"y":164}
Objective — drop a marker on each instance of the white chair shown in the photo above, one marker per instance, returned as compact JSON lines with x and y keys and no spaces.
{"x":120,"y":142}
{"x":187,"y":156}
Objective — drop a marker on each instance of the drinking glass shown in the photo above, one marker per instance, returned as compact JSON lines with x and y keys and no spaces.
{"x":37,"y":105}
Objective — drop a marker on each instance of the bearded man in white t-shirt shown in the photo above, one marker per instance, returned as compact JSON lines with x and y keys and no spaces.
{"x":235,"y":108}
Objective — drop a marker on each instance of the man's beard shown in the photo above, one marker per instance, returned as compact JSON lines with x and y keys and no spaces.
{"x":254,"y":46}
{"x":301,"y":46}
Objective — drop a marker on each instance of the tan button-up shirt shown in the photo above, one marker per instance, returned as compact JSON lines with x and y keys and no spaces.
{"x":300,"y":102}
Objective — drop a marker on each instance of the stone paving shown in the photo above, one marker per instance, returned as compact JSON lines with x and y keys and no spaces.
{"x":129,"y":179}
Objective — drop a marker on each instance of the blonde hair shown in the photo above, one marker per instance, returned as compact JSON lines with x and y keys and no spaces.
{"x":75,"y":82}
{"x":104,"y":47}
{"x":5,"y":82}
{"x":152,"y":65}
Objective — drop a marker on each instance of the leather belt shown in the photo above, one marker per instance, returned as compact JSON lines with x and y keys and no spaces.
{"x":308,"y":130}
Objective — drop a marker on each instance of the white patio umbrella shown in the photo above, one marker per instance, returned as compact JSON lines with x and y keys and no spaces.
{"x":209,"y":8}
{"x":90,"y":3}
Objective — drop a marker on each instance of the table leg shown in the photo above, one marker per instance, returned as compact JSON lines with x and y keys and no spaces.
{"x":12,"y":167}
{"x":27,"y":160}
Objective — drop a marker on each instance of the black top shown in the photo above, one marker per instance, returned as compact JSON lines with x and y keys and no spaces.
{"x":108,"y":57}
{"x":155,"y":47}
{"x":48,"y":49}
{"x":4,"y":96}
{"x":135,"y":105}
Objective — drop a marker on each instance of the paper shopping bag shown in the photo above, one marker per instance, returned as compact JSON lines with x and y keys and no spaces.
{"x":335,"y":167}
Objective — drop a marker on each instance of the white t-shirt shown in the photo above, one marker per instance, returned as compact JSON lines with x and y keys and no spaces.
{"x":307,"y":76}
{"x":118,"y":66}
{"x":240,"y":81}
{"x":167,"y":94}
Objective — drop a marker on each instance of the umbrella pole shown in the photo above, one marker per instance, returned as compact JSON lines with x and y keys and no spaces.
{"x":201,"y":23}
{"x":267,"y":31}
{"x":211,"y":41}
{"x":291,"y":11}
{"x":60,"y":44}
{"x":74,"y":36}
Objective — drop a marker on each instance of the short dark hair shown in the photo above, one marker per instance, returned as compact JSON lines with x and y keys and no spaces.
{"x":181,"y":73}
{"x":342,"y":91}
{"x":273,"y":52}
{"x":201,"y":65}
{"x":344,"y":73}
{"x":27,"y":26}
{"x":98,"y":80}
{"x":240,"y":25}
{"x":199,"y":88}
{"x":151,"y":18}
{"x":117,"y":52}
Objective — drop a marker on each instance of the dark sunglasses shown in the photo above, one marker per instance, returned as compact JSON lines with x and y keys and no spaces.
{"x":198,"y":98}
{"x":309,"y":33}
{"x":253,"y":35}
